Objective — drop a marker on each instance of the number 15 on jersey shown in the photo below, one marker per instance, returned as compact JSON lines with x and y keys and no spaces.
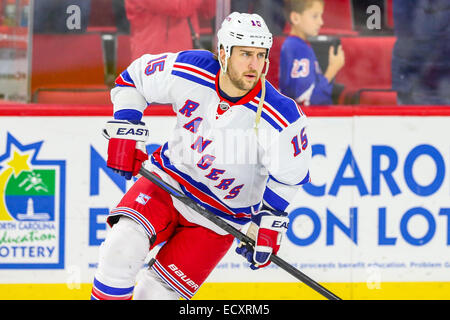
{"x":300,"y":142}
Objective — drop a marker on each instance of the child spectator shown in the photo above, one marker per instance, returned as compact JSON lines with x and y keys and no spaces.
{"x":300,"y":75}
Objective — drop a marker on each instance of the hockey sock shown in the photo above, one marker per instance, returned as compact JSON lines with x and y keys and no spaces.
{"x":122,"y":255}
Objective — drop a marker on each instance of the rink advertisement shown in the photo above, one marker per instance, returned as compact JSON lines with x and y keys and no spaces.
{"x":377,"y":208}
{"x":31,"y":208}
{"x":375,"y":217}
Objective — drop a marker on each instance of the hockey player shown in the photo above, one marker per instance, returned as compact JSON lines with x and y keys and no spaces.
{"x":239,"y":149}
{"x":300,"y":75}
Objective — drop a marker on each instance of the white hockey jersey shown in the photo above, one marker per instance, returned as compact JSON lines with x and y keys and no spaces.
{"x":214,"y":153}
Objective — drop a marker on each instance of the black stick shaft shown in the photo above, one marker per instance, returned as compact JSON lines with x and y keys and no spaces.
{"x":236,"y":233}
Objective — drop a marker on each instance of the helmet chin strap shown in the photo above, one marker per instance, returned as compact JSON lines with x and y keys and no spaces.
{"x":224,"y":66}
{"x":266,"y":67}
{"x":263,"y":95}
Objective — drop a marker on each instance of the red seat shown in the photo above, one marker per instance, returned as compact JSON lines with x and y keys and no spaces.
{"x":101,"y":17}
{"x":338,"y":18}
{"x":389,"y":13}
{"x":377,"y":97}
{"x":67,"y":61}
{"x":367,"y":63}
{"x":205,"y":26}
{"x":123,"y":53}
{"x":61,"y":96}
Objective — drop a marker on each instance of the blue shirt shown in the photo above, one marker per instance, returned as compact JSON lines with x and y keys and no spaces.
{"x":300,"y":75}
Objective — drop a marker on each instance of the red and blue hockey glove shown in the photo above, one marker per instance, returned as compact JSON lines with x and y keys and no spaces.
{"x":267,"y":229}
{"x":126,"y":148}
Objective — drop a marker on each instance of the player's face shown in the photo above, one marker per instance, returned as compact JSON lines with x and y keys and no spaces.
{"x":245,"y":67}
{"x":309,"y":22}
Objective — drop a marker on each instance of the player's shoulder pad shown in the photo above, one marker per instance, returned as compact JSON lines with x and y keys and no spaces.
{"x":202,"y":59}
{"x":284,"y":106}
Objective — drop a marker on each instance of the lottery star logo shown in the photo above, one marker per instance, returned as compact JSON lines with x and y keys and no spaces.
{"x":32,"y":201}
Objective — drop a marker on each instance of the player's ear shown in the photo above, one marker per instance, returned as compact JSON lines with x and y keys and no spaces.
{"x":222,"y":55}
{"x":294,"y":17}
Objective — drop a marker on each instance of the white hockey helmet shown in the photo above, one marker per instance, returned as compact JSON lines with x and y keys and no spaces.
{"x":246,"y":30}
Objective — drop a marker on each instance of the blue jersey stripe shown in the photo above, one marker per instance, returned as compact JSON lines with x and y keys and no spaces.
{"x":128,"y":114}
{"x":194,"y":79}
{"x":201,"y":59}
{"x":274,"y":200}
{"x":284,"y":105}
{"x":111,"y":290}
{"x":126,"y":76}
{"x":265,"y":116}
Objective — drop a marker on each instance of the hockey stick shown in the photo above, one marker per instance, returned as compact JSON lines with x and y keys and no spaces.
{"x":236,"y":233}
